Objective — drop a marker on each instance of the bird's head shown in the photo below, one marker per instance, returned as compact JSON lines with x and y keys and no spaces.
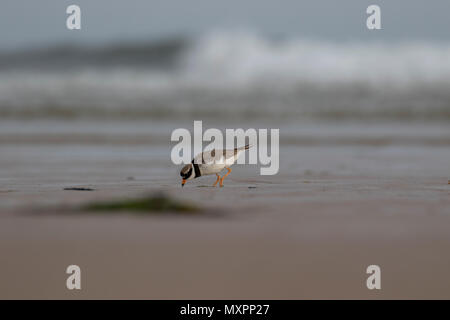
{"x":187,"y":173}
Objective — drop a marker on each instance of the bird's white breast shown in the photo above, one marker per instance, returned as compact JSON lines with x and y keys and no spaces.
{"x":212,"y":168}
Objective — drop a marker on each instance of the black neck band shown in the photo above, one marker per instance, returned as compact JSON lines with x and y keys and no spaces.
{"x":196,"y":169}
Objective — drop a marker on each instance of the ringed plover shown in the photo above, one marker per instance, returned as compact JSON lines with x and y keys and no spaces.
{"x":211,"y":162}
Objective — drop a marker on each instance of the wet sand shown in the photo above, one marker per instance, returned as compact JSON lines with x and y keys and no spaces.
{"x":308,"y":232}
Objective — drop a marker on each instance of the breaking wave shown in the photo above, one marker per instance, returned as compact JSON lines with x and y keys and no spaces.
{"x":230,"y":74}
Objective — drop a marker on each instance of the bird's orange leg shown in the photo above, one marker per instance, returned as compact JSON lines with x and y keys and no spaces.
{"x":221,"y":180}
{"x":218,"y":178}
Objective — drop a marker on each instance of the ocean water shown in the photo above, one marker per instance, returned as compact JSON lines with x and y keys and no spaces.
{"x":243,"y":76}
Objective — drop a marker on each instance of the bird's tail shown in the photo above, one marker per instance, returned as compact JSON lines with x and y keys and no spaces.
{"x":246,"y":147}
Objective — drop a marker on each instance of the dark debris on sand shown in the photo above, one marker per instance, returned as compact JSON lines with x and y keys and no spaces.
{"x":155,"y":203}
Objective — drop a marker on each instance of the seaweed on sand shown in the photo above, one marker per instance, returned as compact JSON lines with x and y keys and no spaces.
{"x":154,"y":203}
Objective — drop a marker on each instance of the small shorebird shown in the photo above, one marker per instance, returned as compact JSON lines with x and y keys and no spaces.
{"x":211,"y":162}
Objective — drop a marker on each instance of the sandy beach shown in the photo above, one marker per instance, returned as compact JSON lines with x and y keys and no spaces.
{"x":337,"y":206}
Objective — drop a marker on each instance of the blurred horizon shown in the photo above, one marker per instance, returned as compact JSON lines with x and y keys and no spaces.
{"x":27,"y":25}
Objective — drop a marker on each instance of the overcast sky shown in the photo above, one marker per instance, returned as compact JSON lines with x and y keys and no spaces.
{"x":25,"y":23}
